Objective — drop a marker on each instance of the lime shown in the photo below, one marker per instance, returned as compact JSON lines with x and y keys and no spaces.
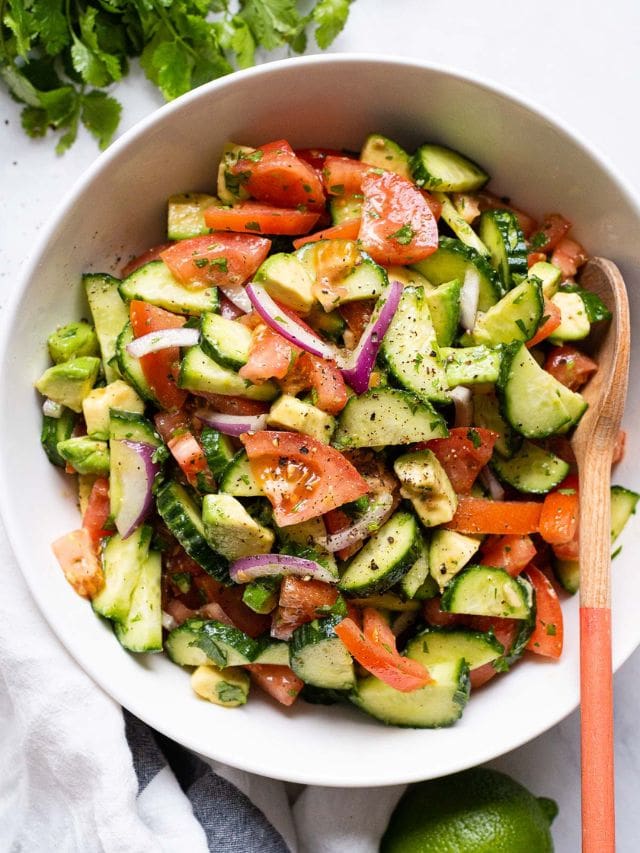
{"x":477,"y":811}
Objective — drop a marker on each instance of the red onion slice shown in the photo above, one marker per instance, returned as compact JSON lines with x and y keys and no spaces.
{"x":491,"y":482}
{"x":462,"y":400}
{"x":284,"y":325}
{"x":163,"y":339}
{"x":232,"y":424}
{"x":358,"y":370}
{"x":135,"y":473}
{"x":469,"y":296}
{"x":248,"y":569}
{"x":365,"y":526}
{"x":237,"y":294}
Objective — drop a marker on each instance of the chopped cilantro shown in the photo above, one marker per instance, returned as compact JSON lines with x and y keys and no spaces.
{"x":252,"y":226}
{"x":474,"y":438}
{"x":403,"y":235}
{"x":551,"y":629}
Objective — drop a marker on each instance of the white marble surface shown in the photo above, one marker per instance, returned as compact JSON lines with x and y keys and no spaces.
{"x":581,"y":61}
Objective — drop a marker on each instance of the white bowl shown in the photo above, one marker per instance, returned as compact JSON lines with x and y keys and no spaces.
{"x":117,"y":209}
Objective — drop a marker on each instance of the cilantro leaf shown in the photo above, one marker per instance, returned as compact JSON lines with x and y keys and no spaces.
{"x":330,"y":17}
{"x":100,"y":115}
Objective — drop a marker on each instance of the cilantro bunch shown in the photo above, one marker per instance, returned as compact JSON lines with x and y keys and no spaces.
{"x":58,"y":57}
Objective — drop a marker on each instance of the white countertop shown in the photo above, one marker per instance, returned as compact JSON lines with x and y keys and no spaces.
{"x":579,"y":59}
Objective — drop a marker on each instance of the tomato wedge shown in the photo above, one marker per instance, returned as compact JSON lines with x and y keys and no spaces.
{"x":76,"y":554}
{"x":480,"y":515}
{"x":552,"y":317}
{"x":260,"y":218}
{"x":559,"y":517}
{"x":316,"y":156}
{"x":348,"y":230}
{"x":302,"y":477}
{"x":398,"y":226}
{"x":160,"y":368}
{"x":273,"y":173}
{"x":312,"y":373}
{"x":570,"y":366}
{"x":535,"y":257}
{"x":569,"y":256}
{"x":547,"y":236}
{"x":152,"y":254}
{"x":185,"y":449}
{"x":270,"y":356}
{"x":488,"y":201}
{"x":280,"y":682}
{"x":372,"y":648}
{"x":463,"y":454}
{"x":510,"y":552}
{"x":548,"y":634}
{"x":357,"y":315}
{"x":216,"y":259}
{"x":343,"y":175}
{"x":169,"y":423}
{"x":98,"y":511}
{"x":300,"y":601}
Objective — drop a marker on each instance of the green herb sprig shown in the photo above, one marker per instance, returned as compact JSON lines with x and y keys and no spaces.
{"x":59,"y":57}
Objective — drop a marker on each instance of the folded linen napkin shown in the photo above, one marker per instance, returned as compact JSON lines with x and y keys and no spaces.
{"x":77,"y":777}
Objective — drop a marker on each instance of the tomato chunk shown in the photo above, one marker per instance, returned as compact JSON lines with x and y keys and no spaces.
{"x":270,"y":356}
{"x":398,"y":226}
{"x":76,"y":554}
{"x":98,"y":511}
{"x":548,"y":634}
{"x":559,"y":517}
{"x":273,"y":173}
{"x":344,"y":231}
{"x":216,"y":259}
{"x":185,"y":449}
{"x":463,"y":454}
{"x":547,"y":236}
{"x":569,"y":256}
{"x":152,"y":254}
{"x":510,"y":552}
{"x":312,"y":373}
{"x":343,"y":175}
{"x":480,"y":515}
{"x":302,"y":477}
{"x":300,"y":601}
{"x":370,"y":647}
{"x":570,"y":366}
{"x":280,"y":682}
{"x":160,"y":368}
{"x":254,"y":217}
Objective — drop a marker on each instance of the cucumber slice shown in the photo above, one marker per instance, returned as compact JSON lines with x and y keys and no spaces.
{"x":225,"y":341}
{"x":449,"y":553}
{"x":275,"y":653}
{"x":501,"y":233}
{"x":130,"y":367}
{"x":141,"y":630}
{"x":238,"y":480}
{"x":567,"y":573}
{"x":460,"y":227}
{"x":471,"y":365}
{"x":390,"y":552}
{"x":452,"y":259}
{"x":549,"y":277}
{"x":131,"y":426}
{"x":411,"y":582}
{"x":435,"y":167}
{"x":218,"y":450}
{"x":515,"y":317}
{"x":443,"y":645}
{"x":487,"y":414}
{"x":487,"y":591}
{"x":230,"y":186}
{"x":319,"y":657}
{"x":122,"y":561}
{"x":574,"y":321}
{"x":532,"y":401}
{"x":345,"y":208}
{"x":185,"y":215}
{"x":154,"y":283}
{"x":437,"y":705}
{"x":181,"y":515}
{"x":55,"y":430}
{"x":109,"y":316}
{"x":206,"y":641}
{"x":199,"y":373}
{"x":444,"y":307}
{"x":383,"y":153}
{"x":387,"y":416}
{"x":531,"y":470}
{"x":411,"y":351}
{"x":623,"y":506}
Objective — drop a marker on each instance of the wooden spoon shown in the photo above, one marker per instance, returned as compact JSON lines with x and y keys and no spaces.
{"x":593,"y":444}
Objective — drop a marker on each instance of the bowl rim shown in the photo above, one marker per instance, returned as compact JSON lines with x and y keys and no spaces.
{"x":129,"y":137}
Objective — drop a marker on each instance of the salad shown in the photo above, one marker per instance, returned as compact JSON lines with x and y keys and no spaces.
{"x":320,"y":434}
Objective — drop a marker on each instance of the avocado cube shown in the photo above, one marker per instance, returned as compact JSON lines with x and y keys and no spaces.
{"x":73,"y":340}
{"x":70,"y":382}
{"x":97,"y":404}
{"x":574,"y":322}
{"x":86,"y":455}
{"x":292,"y":414}
{"x":185,"y":215}
{"x":386,"y":154}
{"x":227,"y":687}
{"x":231,"y":531}
{"x":286,"y":279}
{"x":424,"y":482}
